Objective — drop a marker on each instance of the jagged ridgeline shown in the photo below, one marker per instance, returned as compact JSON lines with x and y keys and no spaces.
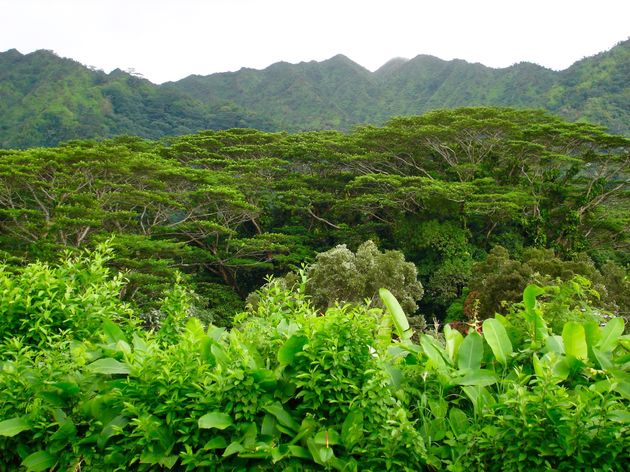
{"x":45,"y":99}
{"x":229,"y":207}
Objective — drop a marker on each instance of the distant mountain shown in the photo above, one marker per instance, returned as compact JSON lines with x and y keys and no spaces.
{"x":333,"y":94}
{"x":339,"y":93}
{"x":45,"y":99}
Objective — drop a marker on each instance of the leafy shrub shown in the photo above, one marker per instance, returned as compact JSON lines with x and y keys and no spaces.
{"x":43,"y":302}
{"x":500,"y":280}
{"x":291,"y":388}
{"x":339,"y":275}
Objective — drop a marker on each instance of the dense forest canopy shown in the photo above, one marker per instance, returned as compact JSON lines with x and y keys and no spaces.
{"x":45,"y":100}
{"x":443,"y":292}
{"x":227,"y":208}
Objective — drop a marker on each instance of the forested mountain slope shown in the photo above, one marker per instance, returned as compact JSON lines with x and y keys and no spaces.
{"x":338,"y":93}
{"x":45,"y":99}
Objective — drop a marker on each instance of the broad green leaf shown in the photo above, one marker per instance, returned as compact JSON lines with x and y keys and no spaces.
{"x":250,"y":434}
{"x":13,"y":426}
{"x":298,"y":451}
{"x":552,"y":366}
{"x":470,"y":352}
{"x":529,"y":297}
{"x":574,"y":339}
{"x":330,"y":437}
{"x":109,"y":366}
{"x":290,"y":348}
{"x":538,"y":367}
{"x":321,"y":454}
{"x":533,"y":317}
{"x":621,"y":416}
{"x":593,"y":335}
{"x":539,"y":327}
{"x":610,"y":334}
{"x":39,"y":461}
{"x":113,"y":428}
{"x":438,"y":407}
{"x":216,"y":419}
{"x":219,"y":354}
{"x":113,"y":332}
{"x":279,"y":452}
{"x":604,"y":359}
{"x":384,"y":333}
{"x":168,"y":461}
{"x":479,"y":377}
{"x":123,"y":347}
{"x":554,"y":344}
{"x":437,"y":428}
{"x":398,"y":315}
{"x":268,"y":427}
{"x":622,"y":387}
{"x":217,"y":442}
{"x":432,"y":351}
{"x":352,"y":429}
{"x":561,"y":369}
{"x":325,"y":454}
{"x":497,"y":339}
{"x":395,"y":375}
{"x":195,"y":329}
{"x":453,"y":340}
{"x":479,"y":397}
{"x":458,"y":421}
{"x":283,"y":416}
{"x":234,"y":448}
{"x":265,"y":378}
{"x":215,"y":333}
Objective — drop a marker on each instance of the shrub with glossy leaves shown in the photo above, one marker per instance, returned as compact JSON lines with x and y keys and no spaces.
{"x":72,"y":299}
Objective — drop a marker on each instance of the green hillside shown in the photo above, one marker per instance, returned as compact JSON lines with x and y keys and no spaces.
{"x":45,"y":99}
{"x":338,"y":93}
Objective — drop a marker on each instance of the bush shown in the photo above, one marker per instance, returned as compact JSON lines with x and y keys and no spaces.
{"x":291,"y":388}
{"x":71,"y":300}
{"x":339,"y":275}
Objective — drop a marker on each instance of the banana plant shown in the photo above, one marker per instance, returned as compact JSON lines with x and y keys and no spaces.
{"x":533,"y":315}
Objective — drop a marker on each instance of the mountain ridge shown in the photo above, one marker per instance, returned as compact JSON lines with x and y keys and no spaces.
{"x":45,"y":99}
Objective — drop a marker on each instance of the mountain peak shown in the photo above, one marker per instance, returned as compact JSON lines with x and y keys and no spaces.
{"x":391,"y":66}
{"x":12,"y":52}
{"x":340,"y":58}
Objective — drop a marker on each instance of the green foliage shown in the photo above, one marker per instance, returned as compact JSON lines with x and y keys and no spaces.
{"x":338,"y":94}
{"x":42,"y":303}
{"x":339,"y":275}
{"x":228,"y":208}
{"x":507,"y":409}
{"x":194,"y":399}
{"x":48,"y":99}
{"x":578,"y":287}
{"x":290,"y":388}
{"x":617,"y":282}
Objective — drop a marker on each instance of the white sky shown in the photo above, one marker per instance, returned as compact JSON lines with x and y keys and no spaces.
{"x":170,"y":39}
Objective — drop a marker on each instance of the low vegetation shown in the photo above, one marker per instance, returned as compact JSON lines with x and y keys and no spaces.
{"x":83,"y":387}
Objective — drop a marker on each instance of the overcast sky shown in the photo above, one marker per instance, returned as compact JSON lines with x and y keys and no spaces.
{"x":168,"y":40}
